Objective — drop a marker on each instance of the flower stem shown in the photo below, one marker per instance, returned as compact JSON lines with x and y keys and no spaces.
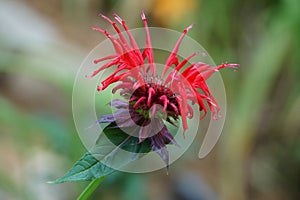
{"x":88,"y":191}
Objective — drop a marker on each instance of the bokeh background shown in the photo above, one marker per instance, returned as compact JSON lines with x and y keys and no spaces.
{"x":42,"y":44}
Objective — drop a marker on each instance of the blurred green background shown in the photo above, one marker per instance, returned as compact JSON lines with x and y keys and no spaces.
{"x":42,"y":44}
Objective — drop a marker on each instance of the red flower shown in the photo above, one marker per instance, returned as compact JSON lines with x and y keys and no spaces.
{"x":174,"y":91}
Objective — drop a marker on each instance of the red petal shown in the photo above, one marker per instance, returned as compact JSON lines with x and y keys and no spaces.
{"x":148,"y":50}
{"x":105,"y":58}
{"x":151,"y":92}
{"x":165,"y":100}
{"x":173,"y":57}
{"x":116,"y":45}
{"x":139,"y":101}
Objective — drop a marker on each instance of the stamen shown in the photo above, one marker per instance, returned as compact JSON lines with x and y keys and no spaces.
{"x":118,"y":18}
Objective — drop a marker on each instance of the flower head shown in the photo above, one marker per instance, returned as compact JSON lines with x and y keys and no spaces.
{"x":152,"y":99}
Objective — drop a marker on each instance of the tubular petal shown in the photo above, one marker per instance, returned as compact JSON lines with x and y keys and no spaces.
{"x":139,"y":101}
{"x":173,"y":57}
{"x":151,"y":92}
{"x":165,"y":100}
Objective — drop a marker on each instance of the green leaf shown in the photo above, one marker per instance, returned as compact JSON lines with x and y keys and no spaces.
{"x":108,"y":150}
{"x":117,"y":136}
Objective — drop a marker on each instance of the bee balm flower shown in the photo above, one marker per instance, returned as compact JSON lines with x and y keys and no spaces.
{"x":153,"y":99}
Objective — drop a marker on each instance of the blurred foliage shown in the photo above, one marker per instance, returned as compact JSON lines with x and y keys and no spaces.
{"x":258,"y":156}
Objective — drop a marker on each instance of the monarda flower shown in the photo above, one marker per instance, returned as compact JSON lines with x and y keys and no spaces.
{"x":151,"y":99}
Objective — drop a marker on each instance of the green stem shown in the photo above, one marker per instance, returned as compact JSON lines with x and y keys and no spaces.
{"x":88,"y":191}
